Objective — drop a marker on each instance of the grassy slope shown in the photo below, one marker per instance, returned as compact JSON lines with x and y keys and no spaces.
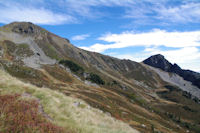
{"x":111,"y":99}
{"x":83,"y":119}
{"x":116,"y":99}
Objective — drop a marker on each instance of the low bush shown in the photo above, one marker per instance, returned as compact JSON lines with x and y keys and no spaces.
{"x":171,"y":88}
{"x":72,"y":66}
{"x":96,"y":79}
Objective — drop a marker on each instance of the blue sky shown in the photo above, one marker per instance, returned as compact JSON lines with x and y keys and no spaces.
{"x":127,"y":29}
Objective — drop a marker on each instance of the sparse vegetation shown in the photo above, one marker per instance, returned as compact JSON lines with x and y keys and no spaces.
{"x":11,"y":47}
{"x":18,"y":49}
{"x":21,"y":71}
{"x":139,"y":73}
{"x":48,"y":49}
{"x":181,"y":114}
{"x":26,"y":73}
{"x":95,"y":78}
{"x":185,"y":124}
{"x":137,"y":99}
{"x":24,"y":50}
{"x":58,"y":74}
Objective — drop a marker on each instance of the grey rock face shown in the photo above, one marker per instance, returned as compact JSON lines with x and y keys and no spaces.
{"x":159,"y":61}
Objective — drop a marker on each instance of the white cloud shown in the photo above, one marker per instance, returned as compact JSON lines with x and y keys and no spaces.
{"x":97,"y":47}
{"x":187,"y":58}
{"x":184,"y":44}
{"x":80,"y":37}
{"x":182,"y":55}
{"x":150,"y":10}
{"x":183,"y":13}
{"x":43,"y":12}
{"x":17,"y":12}
{"x":88,"y":8}
{"x":153,"y":38}
{"x":145,"y":11}
{"x":164,"y":11}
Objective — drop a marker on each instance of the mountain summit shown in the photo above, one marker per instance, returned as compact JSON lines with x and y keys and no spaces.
{"x":24,"y":28}
{"x":159,"y":61}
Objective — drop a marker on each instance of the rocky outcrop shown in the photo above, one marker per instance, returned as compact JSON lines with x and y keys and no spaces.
{"x":158,"y":61}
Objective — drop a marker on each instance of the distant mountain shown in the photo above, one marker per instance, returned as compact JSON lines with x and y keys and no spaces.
{"x":159,"y":61}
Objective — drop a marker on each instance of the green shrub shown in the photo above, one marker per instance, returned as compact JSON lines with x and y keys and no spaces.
{"x":96,"y":79}
{"x":171,"y":88}
{"x":72,"y":66}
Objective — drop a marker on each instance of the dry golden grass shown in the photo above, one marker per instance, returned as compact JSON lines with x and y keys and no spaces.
{"x":81,"y":119}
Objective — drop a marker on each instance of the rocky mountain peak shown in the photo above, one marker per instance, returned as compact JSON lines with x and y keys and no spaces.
{"x":25,"y":28}
{"x":159,"y":56}
{"x":158,"y":61}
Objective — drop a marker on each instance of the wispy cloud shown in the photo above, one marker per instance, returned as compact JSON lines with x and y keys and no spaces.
{"x":38,"y":16}
{"x":11,"y":11}
{"x":91,"y":8}
{"x":54,"y":12}
{"x":182,"y":13}
{"x":179,"y":47}
{"x":67,"y":11}
{"x":164,"y":11}
{"x":154,"y":38}
{"x":80,"y":37}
